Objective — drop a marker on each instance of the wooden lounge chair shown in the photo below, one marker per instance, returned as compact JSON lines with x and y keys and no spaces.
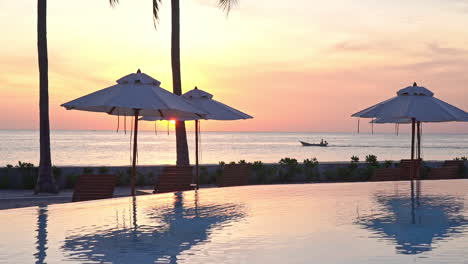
{"x":396,"y":174}
{"x":443,"y":173}
{"x":451,"y":169}
{"x":405,"y":165}
{"x":234,"y":175}
{"x":174,"y":179}
{"x":387,"y":174}
{"x":454,"y":163}
{"x":93,"y":187}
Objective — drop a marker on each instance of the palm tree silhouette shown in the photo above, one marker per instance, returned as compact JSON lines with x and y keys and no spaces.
{"x":45,"y":181}
{"x":181,"y":134}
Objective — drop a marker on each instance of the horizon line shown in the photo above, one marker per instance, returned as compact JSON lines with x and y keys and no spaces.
{"x":244,"y":131}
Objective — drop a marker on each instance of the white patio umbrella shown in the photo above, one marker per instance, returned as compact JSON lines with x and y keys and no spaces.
{"x":413,"y":104}
{"x":134,"y":95}
{"x":214,"y":110}
{"x":404,"y":121}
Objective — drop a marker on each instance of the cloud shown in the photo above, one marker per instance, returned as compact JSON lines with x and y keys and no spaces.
{"x":438,"y":50}
{"x":351,"y":46}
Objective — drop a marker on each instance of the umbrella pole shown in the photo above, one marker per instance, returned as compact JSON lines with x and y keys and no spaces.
{"x":419,"y":139}
{"x":135,"y":136}
{"x":417,"y":169}
{"x":197,"y":173}
{"x":413,"y":124}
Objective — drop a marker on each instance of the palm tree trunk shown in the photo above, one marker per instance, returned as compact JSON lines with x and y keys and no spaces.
{"x":45,"y":181}
{"x":181,"y":134}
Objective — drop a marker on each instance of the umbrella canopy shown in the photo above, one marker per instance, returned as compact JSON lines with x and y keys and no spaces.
{"x":391,"y":121}
{"x":214,"y":110}
{"x":414,"y":102}
{"x":134,"y":95}
{"x":136,"y":91}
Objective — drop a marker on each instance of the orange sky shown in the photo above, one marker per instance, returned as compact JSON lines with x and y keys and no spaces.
{"x":301,"y":67}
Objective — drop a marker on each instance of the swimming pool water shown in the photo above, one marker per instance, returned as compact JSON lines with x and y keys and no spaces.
{"x":302,"y":223}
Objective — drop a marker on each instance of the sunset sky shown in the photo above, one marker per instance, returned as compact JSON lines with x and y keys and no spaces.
{"x":301,"y":67}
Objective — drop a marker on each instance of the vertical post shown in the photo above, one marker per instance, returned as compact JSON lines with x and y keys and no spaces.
{"x":417,"y":169}
{"x":413,"y":124}
{"x":419,"y":140}
{"x":358,"y":125}
{"x":197,"y":172}
{"x":135,"y":136}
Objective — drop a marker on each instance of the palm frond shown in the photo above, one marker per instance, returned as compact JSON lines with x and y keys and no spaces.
{"x":156,"y":4}
{"x":226,"y":5}
{"x":113,"y":3}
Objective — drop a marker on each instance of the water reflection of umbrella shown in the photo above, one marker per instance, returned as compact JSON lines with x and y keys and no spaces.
{"x":414,"y":228}
{"x":173,"y":230}
{"x":214,"y":110}
{"x":134,"y":95}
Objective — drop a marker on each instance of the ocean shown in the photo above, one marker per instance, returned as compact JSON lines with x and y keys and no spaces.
{"x":108,"y":148}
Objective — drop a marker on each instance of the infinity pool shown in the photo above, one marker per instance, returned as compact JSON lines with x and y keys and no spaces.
{"x":303,"y":223}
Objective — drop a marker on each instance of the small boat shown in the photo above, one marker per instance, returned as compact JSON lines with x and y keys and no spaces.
{"x":305,"y":144}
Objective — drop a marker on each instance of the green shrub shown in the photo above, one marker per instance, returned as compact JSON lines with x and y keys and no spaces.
{"x":366,"y":173}
{"x":4,"y":178}
{"x":257,"y":165}
{"x":57,"y":172}
{"x":151,"y":178}
{"x":87,"y":170}
{"x":424,"y":171}
{"x":259,"y":169}
{"x":218,"y":174}
{"x":140,"y":179}
{"x":205,"y":177}
{"x":354,"y":162}
{"x":463,"y":173}
{"x":311,"y":170}
{"x":388,"y":164}
{"x":70,"y":180}
{"x":331,"y":175}
{"x":123,"y":178}
{"x":288,"y":169}
{"x":103,"y":170}
{"x":270,"y":175}
{"x":372,"y":161}
{"x":28,"y":173}
{"x":4,"y":182}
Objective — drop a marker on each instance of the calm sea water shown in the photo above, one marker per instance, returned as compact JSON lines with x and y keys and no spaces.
{"x":106,"y":148}
{"x":338,"y":223}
